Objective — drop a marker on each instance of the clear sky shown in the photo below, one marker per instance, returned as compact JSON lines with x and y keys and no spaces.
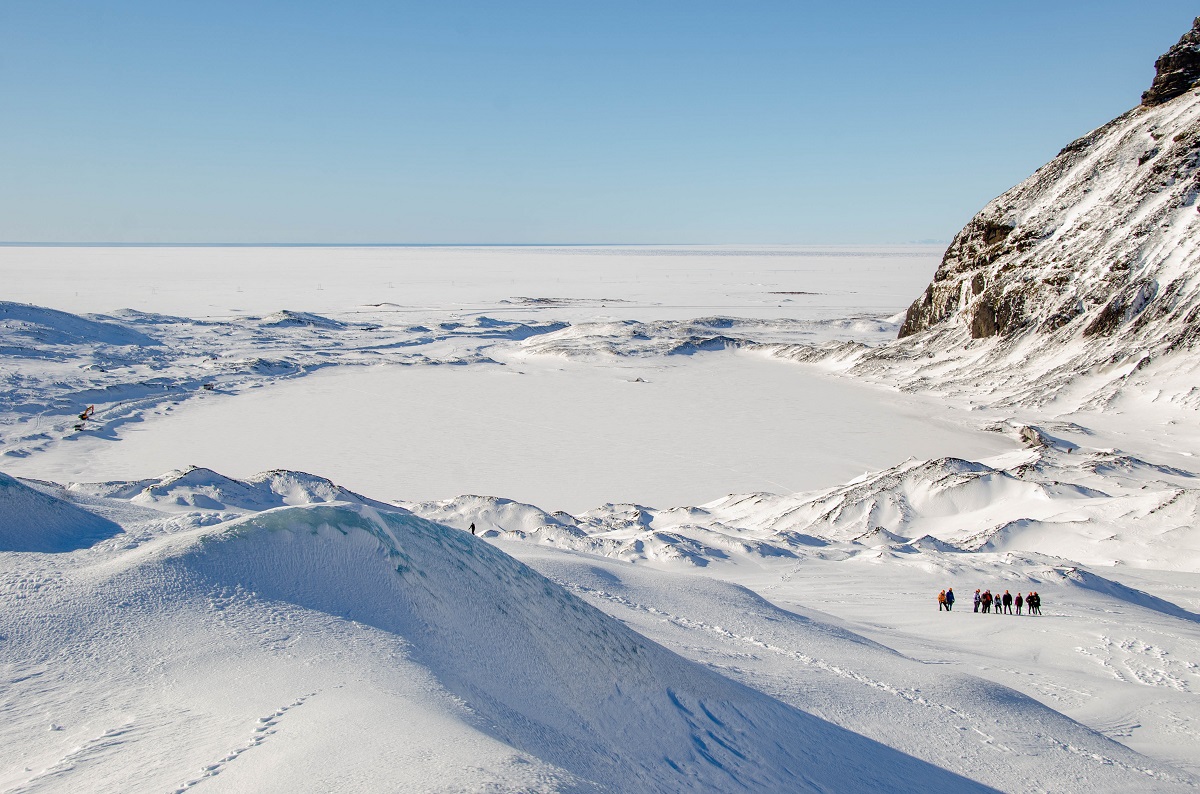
{"x":558,"y":121}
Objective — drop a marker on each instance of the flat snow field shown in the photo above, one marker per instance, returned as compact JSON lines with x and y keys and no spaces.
{"x":658,"y":281}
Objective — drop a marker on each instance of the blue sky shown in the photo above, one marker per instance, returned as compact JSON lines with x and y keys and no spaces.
{"x":523,"y":122}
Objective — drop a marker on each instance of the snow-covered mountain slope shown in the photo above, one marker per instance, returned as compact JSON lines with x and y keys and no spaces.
{"x":1086,"y":269}
{"x":338,"y":644}
{"x":370,"y":647}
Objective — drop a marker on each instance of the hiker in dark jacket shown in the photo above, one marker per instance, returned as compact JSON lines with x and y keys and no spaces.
{"x":1007,"y":601}
{"x":1017,"y":602}
{"x":949,"y":598}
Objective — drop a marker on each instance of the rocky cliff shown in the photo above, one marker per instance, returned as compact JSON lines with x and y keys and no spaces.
{"x":1091,"y":265}
{"x":1098,"y":238}
{"x":1177,"y":70}
{"x":1095,"y":254}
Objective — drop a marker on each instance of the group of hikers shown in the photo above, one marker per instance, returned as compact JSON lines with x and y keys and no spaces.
{"x":1004,"y":604}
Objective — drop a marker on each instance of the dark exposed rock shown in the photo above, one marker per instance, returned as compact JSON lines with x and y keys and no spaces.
{"x":1126,"y":304}
{"x":1063,"y":315}
{"x":1107,"y":320}
{"x":976,"y":246}
{"x":1177,"y":71}
{"x":1001,"y":315}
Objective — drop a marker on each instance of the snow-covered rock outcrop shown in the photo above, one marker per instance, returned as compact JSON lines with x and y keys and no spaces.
{"x":1090,"y":261}
{"x":1096,"y":241}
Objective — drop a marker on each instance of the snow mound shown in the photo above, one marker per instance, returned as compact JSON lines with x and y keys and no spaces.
{"x":492,"y":328}
{"x":621,"y":531}
{"x":490,"y":514}
{"x":23,"y":325}
{"x":1086,"y":579}
{"x":286,"y":318}
{"x":546,"y":672}
{"x":205,"y":489}
{"x":33,"y":521}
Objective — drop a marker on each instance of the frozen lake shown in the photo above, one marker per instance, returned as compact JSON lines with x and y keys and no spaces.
{"x":558,"y":434}
{"x":563,"y":434}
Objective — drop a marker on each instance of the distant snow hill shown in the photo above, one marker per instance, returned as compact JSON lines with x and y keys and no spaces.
{"x":1089,"y":263}
{"x":309,"y":646}
{"x":32,"y":327}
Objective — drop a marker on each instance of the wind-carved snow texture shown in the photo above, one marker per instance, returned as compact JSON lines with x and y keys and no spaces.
{"x":131,"y":362}
{"x":635,"y":339}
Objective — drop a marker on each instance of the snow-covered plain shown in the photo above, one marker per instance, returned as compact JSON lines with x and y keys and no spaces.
{"x":739,"y":596}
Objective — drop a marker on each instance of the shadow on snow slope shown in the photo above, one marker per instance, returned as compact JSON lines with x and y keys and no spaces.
{"x":37,"y":522}
{"x":548,"y":673}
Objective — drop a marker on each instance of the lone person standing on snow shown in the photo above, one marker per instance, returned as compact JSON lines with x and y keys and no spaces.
{"x":472,"y":527}
{"x":1007,"y":601}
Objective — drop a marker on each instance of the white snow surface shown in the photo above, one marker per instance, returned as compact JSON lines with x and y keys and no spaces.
{"x":730,"y":527}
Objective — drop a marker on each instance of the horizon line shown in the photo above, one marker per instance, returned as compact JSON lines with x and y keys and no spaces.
{"x":102,"y":244}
